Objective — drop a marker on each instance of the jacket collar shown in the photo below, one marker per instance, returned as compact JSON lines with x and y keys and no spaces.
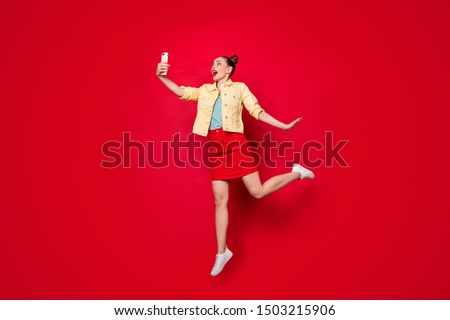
{"x":227,"y":84}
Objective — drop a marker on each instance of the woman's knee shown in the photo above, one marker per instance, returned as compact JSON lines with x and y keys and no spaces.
{"x":220,"y":199}
{"x":257,"y":193}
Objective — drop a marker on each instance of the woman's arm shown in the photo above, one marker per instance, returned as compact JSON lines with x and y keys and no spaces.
{"x":172,"y":86}
{"x":267,"y":118}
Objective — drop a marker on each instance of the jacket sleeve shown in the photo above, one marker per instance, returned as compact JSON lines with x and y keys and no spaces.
{"x":251,"y":103}
{"x":190,"y":93}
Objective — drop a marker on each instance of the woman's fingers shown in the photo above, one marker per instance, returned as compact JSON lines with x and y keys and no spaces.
{"x":163,"y":65}
{"x":296,"y":121}
{"x":293,"y":123}
{"x":162,"y":68}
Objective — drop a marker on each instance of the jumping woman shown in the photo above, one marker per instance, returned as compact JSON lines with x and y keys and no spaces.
{"x":219,"y":118}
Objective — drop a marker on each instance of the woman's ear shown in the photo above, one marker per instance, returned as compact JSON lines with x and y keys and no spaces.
{"x":229,"y":69}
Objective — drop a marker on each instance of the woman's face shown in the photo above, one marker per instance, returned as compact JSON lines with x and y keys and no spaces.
{"x":219,"y":69}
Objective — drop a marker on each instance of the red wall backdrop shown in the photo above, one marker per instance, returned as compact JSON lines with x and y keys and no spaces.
{"x":75,"y":75}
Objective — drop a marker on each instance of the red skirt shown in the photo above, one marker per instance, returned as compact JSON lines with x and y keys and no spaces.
{"x":229,"y":155}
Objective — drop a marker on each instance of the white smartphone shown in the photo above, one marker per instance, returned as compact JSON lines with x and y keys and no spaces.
{"x":164,"y":59}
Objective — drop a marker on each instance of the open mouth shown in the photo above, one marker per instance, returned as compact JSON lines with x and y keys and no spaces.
{"x":214,"y":72}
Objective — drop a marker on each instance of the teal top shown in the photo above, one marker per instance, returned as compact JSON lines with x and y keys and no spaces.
{"x":216,"y":120}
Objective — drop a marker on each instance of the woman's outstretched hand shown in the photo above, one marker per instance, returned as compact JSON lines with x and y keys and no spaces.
{"x":289,"y":126}
{"x":267,"y":118}
{"x":161,"y":69}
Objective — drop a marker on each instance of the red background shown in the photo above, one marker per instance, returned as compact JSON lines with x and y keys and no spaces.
{"x":77,"y":75}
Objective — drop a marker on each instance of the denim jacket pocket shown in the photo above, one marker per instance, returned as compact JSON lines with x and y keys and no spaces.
{"x":235,"y":105}
{"x":203,"y":101}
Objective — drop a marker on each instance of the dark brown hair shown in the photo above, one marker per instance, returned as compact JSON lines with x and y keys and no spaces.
{"x":231,"y":61}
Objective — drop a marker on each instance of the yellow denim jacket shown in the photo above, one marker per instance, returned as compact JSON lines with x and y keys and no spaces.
{"x":234,"y":96}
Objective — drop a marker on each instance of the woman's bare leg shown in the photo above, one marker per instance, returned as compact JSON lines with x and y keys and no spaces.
{"x":258,"y":190}
{"x":221,"y":192}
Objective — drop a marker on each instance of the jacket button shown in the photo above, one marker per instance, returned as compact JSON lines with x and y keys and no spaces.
{"x":225,"y":94}
{"x":226,"y":105}
{"x":226,"y":117}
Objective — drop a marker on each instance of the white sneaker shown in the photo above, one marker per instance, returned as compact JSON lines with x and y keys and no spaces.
{"x":221,"y":260}
{"x":304,"y":173}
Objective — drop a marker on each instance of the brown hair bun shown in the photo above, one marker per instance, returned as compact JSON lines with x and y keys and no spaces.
{"x":231,"y":62}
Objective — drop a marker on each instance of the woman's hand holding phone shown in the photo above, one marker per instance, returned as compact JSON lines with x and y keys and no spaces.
{"x":163,"y":66}
{"x":161,"y":69}
{"x":161,"y":72}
